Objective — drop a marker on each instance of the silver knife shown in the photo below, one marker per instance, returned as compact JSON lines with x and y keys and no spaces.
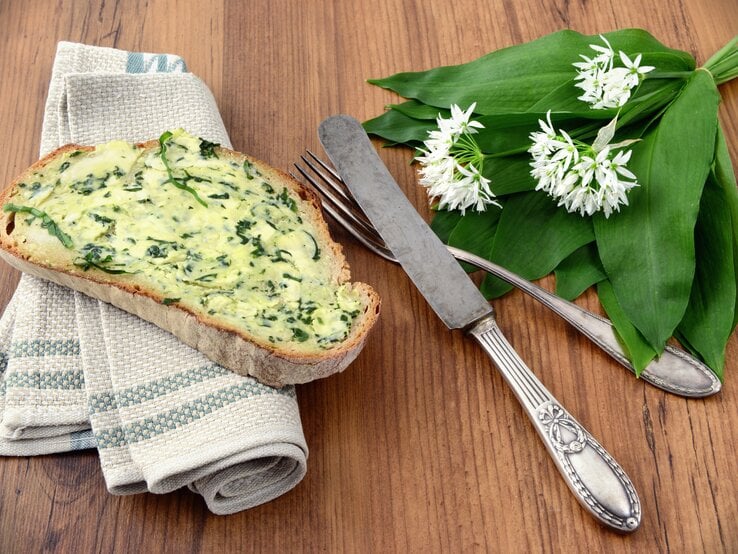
{"x":595,"y":478}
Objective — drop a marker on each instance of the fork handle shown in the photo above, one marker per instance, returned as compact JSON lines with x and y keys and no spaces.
{"x":596,"y":479}
{"x":674,"y":371}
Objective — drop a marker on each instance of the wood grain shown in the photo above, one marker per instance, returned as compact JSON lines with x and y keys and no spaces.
{"x":419,"y":446}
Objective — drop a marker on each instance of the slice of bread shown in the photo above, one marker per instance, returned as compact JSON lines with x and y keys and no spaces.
{"x":228,"y":254}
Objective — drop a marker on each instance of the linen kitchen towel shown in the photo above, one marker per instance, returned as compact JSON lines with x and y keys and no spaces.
{"x":78,"y":373}
{"x":44,"y":405}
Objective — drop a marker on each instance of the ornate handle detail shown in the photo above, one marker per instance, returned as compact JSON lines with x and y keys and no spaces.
{"x":555,"y":418}
{"x":674,"y":371}
{"x":593,"y":475}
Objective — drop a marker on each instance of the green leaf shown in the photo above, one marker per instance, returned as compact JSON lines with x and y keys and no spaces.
{"x":533,"y":236}
{"x":475,"y":233}
{"x":566,"y":99}
{"x":725,"y":179}
{"x":579,"y":271}
{"x":636,"y":347}
{"x":395,"y":126}
{"x":647,"y":249}
{"x":418,"y":110}
{"x":509,"y":133}
{"x":708,"y":320}
{"x":654,"y":96}
{"x":509,"y":175}
{"x":444,"y":222}
{"x":517,"y":78}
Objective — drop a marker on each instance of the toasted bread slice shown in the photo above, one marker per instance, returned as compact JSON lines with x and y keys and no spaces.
{"x":230,"y":255}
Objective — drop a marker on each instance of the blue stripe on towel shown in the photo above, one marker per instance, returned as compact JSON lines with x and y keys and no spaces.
{"x":185,"y":414}
{"x":139,"y":62}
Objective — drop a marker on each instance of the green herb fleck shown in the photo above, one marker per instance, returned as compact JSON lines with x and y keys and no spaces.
{"x":287,"y":200}
{"x":316,"y":254}
{"x":207,"y":148}
{"x":101,"y":218}
{"x":247,"y":169}
{"x":259,"y":250}
{"x":94,"y":258}
{"x":280,"y":258}
{"x":90,"y":184}
{"x":155,"y":251}
{"x":241,"y":227}
{"x":299,"y":335}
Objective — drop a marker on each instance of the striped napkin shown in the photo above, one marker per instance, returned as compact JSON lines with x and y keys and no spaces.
{"x":77,"y":373}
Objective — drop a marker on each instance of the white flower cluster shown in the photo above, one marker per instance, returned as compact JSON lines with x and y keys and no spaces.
{"x":606,"y":86}
{"x":584,"y":178}
{"x":451,"y":164}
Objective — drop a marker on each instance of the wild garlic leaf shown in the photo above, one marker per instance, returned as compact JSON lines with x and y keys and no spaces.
{"x":725,"y":178}
{"x":515,"y":79}
{"x":639,"y":352}
{"x":509,"y":175}
{"x":647,"y":249}
{"x":509,"y":133}
{"x":708,"y":320}
{"x":722,"y":177}
{"x":533,"y":236}
{"x":652,"y":103}
{"x":395,"y":126}
{"x":418,"y":110}
{"x":444,"y":222}
{"x":475,"y":233}
{"x":579,"y":271}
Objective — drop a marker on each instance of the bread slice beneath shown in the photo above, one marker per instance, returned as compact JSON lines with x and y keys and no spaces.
{"x":227,"y":253}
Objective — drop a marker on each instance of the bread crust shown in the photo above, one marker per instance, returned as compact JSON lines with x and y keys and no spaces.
{"x":225,"y":344}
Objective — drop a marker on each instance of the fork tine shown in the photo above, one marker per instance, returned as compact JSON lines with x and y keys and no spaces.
{"x":343,"y":214}
{"x":327,"y":196}
{"x":336,"y":186}
{"x":329,"y":169}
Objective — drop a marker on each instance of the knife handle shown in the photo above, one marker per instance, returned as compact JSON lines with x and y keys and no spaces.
{"x":592,"y":474}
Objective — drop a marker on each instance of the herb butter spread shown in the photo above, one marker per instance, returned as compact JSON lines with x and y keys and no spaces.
{"x":202,"y":231}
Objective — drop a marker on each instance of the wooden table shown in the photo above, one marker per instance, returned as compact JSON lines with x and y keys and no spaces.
{"x":419,"y":446}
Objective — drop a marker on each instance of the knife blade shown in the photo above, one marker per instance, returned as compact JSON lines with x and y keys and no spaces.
{"x":403,"y":230}
{"x":596,"y":479}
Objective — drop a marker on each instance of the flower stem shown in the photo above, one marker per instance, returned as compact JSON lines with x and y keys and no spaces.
{"x":668,"y":75}
{"x":723,"y":65}
{"x":467,"y":151}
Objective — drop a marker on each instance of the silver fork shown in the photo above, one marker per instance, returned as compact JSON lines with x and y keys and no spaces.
{"x":675,"y":371}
